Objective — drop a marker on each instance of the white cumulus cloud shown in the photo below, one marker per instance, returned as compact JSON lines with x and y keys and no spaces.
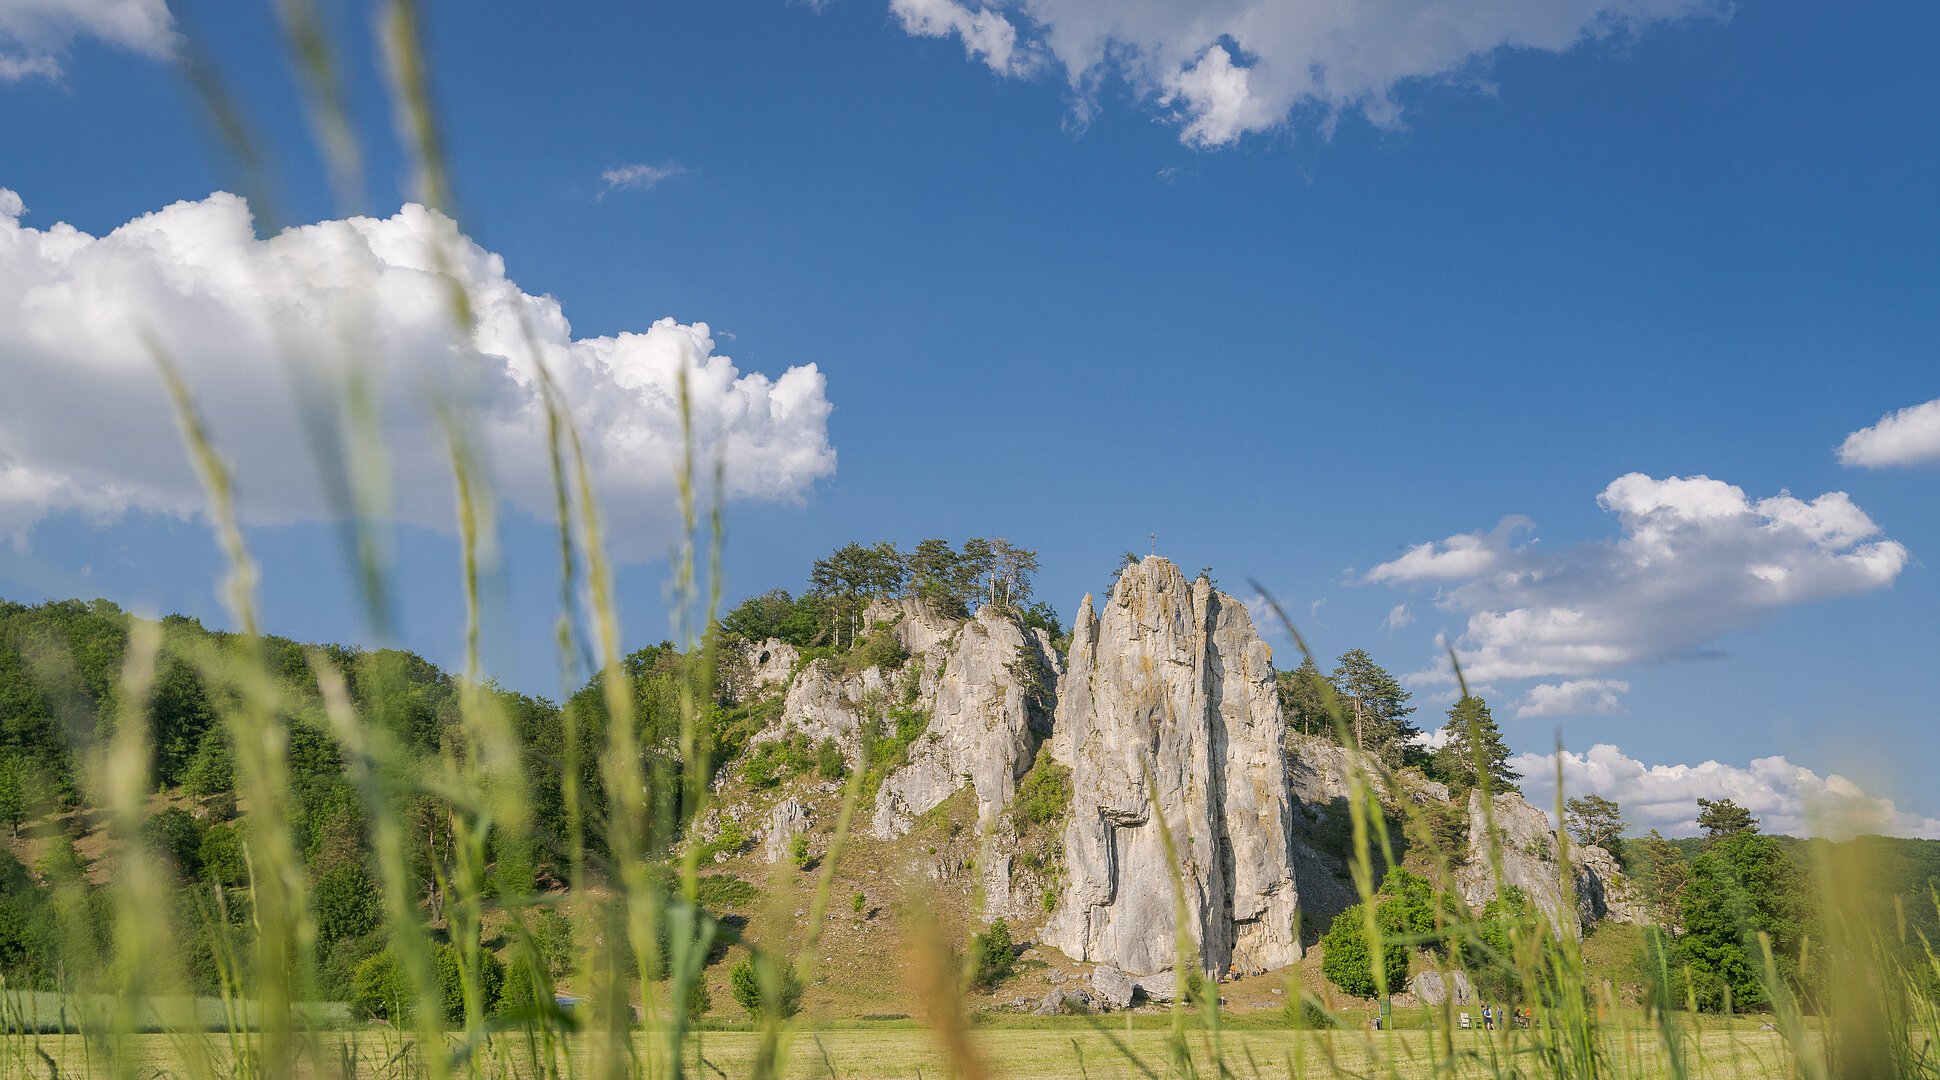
{"x":1695,"y":558}
{"x":1399,"y":616}
{"x":1224,"y":68}
{"x":34,"y":32}
{"x":1786,"y":798}
{"x":1576,"y":697}
{"x":1910,"y":436}
{"x":987,"y":35}
{"x":85,"y":426}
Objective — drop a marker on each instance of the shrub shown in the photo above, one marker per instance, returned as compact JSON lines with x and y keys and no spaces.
{"x":731,"y":839}
{"x":1044,"y":795}
{"x":221,"y":855}
{"x":380,"y":988}
{"x":829,"y":763}
{"x":877,"y":649}
{"x":212,"y":770}
{"x":337,"y":975}
{"x":552,"y":935}
{"x":776,"y":760}
{"x":345,"y":900}
{"x":744,"y":982}
{"x":798,"y":850}
{"x":1305,"y":1013}
{"x":718,"y":892}
{"x":1347,"y":960}
{"x":992,"y":956}
{"x":174,"y":834}
{"x":699,"y":1001}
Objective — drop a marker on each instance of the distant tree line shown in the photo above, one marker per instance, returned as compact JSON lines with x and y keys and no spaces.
{"x":952,"y":581}
{"x":1360,"y":703}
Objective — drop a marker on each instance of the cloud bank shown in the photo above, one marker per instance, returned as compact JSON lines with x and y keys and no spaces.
{"x":1910,"y":436}
{"x":33,"y":33}
{"x":85,"y":426}
{"x":1786,"y":798}
{"x":1695,"y":558}
{"x":1577,"y":697}
{"x":1221,"y":69}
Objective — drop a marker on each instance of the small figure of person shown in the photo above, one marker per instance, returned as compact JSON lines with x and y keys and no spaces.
{"x":1488,"y":1019}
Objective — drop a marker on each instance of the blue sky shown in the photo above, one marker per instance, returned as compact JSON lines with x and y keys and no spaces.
{"x":1080,"y":317}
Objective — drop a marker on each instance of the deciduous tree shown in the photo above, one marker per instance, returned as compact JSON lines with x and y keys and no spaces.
{"x":1595,"y":820}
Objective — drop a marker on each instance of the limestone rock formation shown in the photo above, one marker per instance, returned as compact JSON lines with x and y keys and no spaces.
{"x":1528,"y":850}
{"x":1172,"y":677}
{"x":1112,"y":986}
{"x":918,"y":626}
{"x":988,"y":690}
{"x":1433,"y":990}
{"x":824,"y":703}
{"x":769,"y":663}
{"x":788,"y":818}
{"x":1599,"y":876}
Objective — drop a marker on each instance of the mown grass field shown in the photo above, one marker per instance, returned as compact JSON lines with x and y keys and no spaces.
{"x":1054,"y":1049}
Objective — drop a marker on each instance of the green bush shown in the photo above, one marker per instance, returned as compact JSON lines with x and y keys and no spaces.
{"x":337,"y":975}
{"x":719,"y":892}
{"x":213,"y":769}
{"x":1347,"y":959}
{"x":552,"y":935}
{"x":1044,"y":794}
{"x":798,"y":850}
{"x":1306,"y":1013}
{"x":221,"y":855}
{"x":731,"y":839}
{"x":877,"y":649}
{"x":175,"y":835}
{"x":380,"y":989}
{"x":829,"y":763}
{"x":992,"y":956}
{"x":771,"y":762}
{"x":345,"y":901}
{"x":744,"y":982}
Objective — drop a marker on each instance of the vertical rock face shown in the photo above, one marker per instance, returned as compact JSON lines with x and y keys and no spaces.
{"x":986,"y":718}
{"x":1528,"y":846}
{"x":1171,"y":676}
{"x":823,"y":703}
{"x":788,"y":818}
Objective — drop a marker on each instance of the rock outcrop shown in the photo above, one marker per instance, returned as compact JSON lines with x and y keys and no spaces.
{"x":1527,"y":847}
{"x":1432,"y":989}
{"x":988,"y":689}
{"x":824,"y":703}
{"x":789,"y":818}
{"x":1112,"y":986}
{"x":1171,"y":678}
{"x":768,"y":664}
{"x":1613,"y":896}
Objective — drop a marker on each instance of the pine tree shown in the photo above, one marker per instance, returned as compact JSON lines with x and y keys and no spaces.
{"x":1474,"y":749}
{"x":1724,"y":818}
{"x":1376,"y":707}
{"x":1303,"y":699}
